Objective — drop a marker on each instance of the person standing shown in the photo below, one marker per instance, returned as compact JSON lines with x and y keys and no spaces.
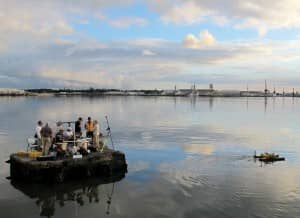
{"x":96,"y":133}
{"x":89,"y":127}
{"x":46,"y":133}
{"x":78,"y":130}
{"x":37,"y":134}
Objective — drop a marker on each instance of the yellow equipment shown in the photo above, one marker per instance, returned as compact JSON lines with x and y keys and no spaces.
{"x":34,"y":154}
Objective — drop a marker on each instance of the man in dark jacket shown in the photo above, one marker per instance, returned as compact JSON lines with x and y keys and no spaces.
{"x":78,"y":130}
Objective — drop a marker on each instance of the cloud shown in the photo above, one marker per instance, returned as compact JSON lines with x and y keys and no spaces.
{"x":83,"y":44}
{"x":26,"y":25}
{"x":206,"y":40}
{"x":125,"y":64}
{"x":40,"y":46}
{"x":260,"y":15}
{"x":184,"y":13}
{"x":147,"y":52}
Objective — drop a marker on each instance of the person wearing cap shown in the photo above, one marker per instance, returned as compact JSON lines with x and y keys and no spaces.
{"x":78,"y":130}
{"x":59,"y":136}
{"x":37,"y":134}
{"x":46,"y":134}
{"x":89,"y":127}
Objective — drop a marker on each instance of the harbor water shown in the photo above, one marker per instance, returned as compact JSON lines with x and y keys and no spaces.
{"x":187,"y":157}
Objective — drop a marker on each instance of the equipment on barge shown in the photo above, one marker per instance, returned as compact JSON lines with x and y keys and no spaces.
{"x":72,"y":159}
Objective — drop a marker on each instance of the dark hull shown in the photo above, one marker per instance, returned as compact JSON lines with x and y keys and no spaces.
{"x":268,"y":159}
{"x":93,"y":164}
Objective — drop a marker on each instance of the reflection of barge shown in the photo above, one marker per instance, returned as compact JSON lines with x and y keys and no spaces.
{"x":107,"y":162}
{"x":49,"y":197}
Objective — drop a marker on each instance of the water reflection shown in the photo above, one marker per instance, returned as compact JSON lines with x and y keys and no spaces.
{"x":211,"y":103}
{"x":188,"y":157}
{"x":204,"y":149}
{"x":50,"y":198}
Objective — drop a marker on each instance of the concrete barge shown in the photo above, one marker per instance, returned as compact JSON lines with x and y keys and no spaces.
{"x":105,"y":163}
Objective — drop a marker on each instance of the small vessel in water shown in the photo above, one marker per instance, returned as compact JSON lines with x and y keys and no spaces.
{"x":268,"y":157}
{"x":68,"y":160}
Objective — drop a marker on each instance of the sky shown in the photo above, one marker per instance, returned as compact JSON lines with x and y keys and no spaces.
{"x":148,"y":44}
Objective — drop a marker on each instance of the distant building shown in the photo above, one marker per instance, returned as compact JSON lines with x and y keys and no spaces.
{"x":205,"y":92}
{"x":11,"y":92}
{"x":184,"y":92}
{"x":169,"y":92}
{"x":252,"y":94}
{"x":228,"y":93}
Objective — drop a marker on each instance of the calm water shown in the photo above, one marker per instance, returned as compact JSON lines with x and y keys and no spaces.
{"x":187,"y":158}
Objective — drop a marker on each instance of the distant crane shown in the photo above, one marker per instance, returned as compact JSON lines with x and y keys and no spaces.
{"x":266,"y":88}
{"x":293,"y":92}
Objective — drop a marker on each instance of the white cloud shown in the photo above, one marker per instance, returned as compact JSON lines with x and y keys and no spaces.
{"x":24,"y":25}
{"x":260,"y":15}
{"x":189,"y":12}
{"x":84,"y":44}
{"x":147,"y":52}
{"x":206,"y":40}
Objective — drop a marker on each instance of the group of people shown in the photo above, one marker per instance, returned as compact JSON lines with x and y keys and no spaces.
{"x":45,"y":137}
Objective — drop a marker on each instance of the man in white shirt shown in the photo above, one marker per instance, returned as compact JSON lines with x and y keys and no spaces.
{"x":37,"y":134}
{"x":96,"y":133}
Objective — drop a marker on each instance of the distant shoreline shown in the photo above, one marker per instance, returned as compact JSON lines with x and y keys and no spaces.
{"x":168,"y":93}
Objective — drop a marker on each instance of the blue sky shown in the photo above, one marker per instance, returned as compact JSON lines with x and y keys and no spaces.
{"x":149,"y":43}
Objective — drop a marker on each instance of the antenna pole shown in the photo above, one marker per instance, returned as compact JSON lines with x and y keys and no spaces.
{"x":109,"y":133}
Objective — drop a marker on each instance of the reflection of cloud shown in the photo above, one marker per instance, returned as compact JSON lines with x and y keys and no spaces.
{"x":5,"y":152}
{"x":166,"y":127}
{"x":204,"y":149}
{"x":290,"y":133}
{"x":3,"y":133}
{"x":185,"y":173}
{"x":138,"y":166}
